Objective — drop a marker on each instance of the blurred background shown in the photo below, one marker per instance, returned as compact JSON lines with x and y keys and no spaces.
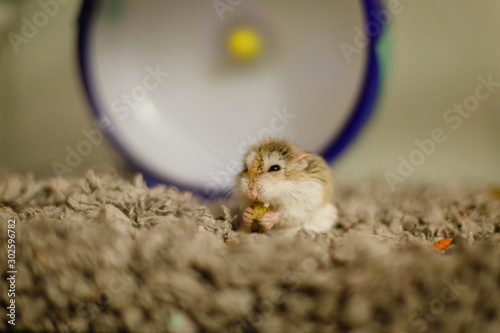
{"x":438,"y":49}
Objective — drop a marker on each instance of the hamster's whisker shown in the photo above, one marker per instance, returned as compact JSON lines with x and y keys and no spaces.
{"x":227,"y":162}
{"x":228,"y":193}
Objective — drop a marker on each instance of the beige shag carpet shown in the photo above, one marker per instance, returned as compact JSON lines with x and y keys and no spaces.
{"x":102,"y":253}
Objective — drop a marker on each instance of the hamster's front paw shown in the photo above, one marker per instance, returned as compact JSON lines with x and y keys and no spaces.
{"x":269,"y":219}
{"x":248,"y":217}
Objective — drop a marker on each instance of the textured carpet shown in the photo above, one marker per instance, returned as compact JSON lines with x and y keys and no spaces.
{"x":103,"y":253}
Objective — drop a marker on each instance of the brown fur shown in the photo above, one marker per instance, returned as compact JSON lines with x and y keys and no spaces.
{"x":316,"y":168}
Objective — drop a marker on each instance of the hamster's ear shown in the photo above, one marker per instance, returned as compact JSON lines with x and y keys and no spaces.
{"x":300,"y":159}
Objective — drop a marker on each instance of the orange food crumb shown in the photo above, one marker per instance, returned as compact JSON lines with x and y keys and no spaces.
{"x":228,"y":242}
{"x":442,"y":244}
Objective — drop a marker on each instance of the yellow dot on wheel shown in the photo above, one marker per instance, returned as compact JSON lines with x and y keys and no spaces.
{"x":244,"y":43}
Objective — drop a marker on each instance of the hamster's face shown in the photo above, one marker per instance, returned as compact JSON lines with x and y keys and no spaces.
{"x":265,"y":176}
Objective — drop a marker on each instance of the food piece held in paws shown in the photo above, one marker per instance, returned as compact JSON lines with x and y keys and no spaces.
{"x":259,"y":209}
{"x":297,"y":185}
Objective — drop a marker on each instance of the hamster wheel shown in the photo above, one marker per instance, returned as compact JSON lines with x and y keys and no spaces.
{"x":183,"y":88}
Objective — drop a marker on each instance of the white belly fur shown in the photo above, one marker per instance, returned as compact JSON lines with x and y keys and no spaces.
{"x":320,"y":219}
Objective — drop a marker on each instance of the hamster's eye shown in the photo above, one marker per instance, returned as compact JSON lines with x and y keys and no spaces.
{"x":275,"y":167}
{"x":245,"y":170}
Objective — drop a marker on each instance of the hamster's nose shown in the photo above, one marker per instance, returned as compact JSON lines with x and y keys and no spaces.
{"x":253,"y":193}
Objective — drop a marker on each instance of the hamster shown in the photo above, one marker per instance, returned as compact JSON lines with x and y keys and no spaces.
{"x":295,"y":185}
